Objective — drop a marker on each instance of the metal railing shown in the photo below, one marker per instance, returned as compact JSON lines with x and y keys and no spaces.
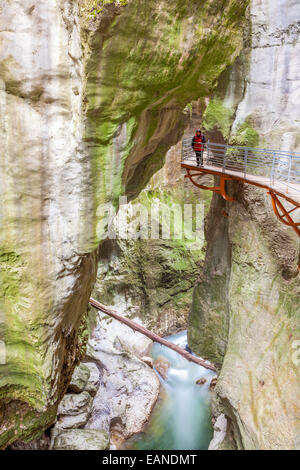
{"x":280,"y":168}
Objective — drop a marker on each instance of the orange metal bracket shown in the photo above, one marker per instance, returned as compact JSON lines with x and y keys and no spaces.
{"x":284,"y":216}
{"x":281,"y":213}
{"x":217,"y":189}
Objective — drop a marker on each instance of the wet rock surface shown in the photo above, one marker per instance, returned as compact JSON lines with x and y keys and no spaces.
{"x":258,"y":315}
{"x":245,"y":312}
{"x":43,"y":443}
{"x":80,"y":439}
{"x":162,"y":366}
{"x":128,"y":387}
{"x":94,"y":378}
{"x":79,"y":379}
{"x":119,"y":393}
{"x":74,"y":410}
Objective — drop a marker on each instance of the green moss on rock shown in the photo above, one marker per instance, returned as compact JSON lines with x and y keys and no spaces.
{"x":142,"y":64}
{"x":245,"y":136}
{"x":146,"y":63}
{"x":218,"y":116}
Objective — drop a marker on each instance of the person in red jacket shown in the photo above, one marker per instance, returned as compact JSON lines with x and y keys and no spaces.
{"x":198,"y":143}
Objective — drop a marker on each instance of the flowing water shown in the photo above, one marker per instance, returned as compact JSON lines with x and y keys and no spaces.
{"x":181,"y":419}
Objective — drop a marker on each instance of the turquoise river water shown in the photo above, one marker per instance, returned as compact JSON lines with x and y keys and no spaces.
{"x":181,"y":419}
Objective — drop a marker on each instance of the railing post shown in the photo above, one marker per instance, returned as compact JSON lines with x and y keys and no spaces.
{"x":289,"y":174}
{"x":207,"y":146}
{"x":245,"y":162}
{"x":224,"y":160}
{"x":273,"y":170}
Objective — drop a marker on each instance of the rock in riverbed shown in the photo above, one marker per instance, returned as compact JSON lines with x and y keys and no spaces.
{"x":80,"y":439}
{"x":80,"y":378}
{"x":212,"y":384}
{"x":94,"y":379}
{"x":162,"y":366}
{"x":148,"y":360}
{"x":128,"y":387}
{"x":74,"y":410}
{"x":201,"y":381}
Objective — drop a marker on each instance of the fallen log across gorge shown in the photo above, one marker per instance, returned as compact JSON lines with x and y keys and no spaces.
{"x":154,"y":337}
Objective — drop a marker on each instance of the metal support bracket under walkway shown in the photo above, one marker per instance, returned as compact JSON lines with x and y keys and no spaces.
{"x":275,"y":171}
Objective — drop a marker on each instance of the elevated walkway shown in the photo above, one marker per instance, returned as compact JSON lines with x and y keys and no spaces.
{"x":275,"y":171}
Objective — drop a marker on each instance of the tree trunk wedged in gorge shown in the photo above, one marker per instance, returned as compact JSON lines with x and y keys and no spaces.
{"x":79,"y":122}
{"x":154,"y":337}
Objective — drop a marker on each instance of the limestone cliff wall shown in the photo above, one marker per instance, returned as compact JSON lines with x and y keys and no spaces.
{"x":44,"y":176}
{"x":245,"y":313}
{"x":90,"y":102}
{"x":271,"y":93}
{"x":257,"y":97}
{"x":245,"y":318}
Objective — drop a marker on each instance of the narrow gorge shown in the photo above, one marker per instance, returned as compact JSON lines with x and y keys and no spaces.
{"x":97,"y":100}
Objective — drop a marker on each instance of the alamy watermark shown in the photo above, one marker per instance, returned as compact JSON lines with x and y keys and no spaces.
{"x":154,"y":221}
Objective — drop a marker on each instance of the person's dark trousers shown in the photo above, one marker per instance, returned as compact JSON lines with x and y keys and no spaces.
{"x":199,"y":157}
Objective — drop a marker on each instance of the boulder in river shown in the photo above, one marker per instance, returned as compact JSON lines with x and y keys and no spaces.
{"x":212,"y":384}
{"x":148,"y":360}
{"x":80,"y":378}
{"x":94,"y":379}
{"x":80,"y":439}
{"x":128,"y":388}
{"x":74,"y":410}
{"x":162,"y":366}
{"x":201,"y":381}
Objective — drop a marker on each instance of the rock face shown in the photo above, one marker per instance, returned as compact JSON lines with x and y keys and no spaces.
{"x":80,"y":378}
{"x":258,"y":386}
{"x":158,"y":57}
{"x":245,"y":312}
{"x":45,"y":254}
{"x":81,"y":439}
{"x":74,"y":410}
{"x":162,"y":366}
{"x":272,"y":82}
{"x":117,"y":389}
{"x":153,"y":278}
{"x":128,"y":387}
{"x":90,"y":103}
